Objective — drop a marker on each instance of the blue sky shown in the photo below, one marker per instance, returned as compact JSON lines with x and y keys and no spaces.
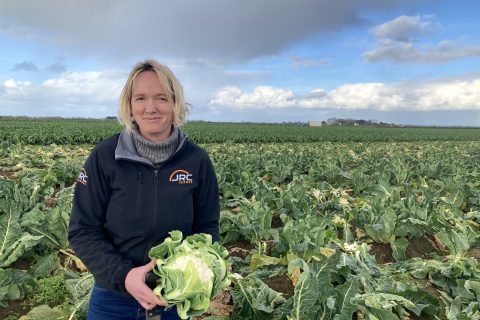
{"x":406,"y":62}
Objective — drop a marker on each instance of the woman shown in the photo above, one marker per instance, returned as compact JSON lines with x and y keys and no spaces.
{"x":136,"y":187}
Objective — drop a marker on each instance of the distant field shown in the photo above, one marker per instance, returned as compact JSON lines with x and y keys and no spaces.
{"x":69,"y":131}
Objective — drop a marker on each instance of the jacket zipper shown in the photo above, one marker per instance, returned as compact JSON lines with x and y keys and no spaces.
{"x":139,"y":189}
{"x":151,"y":230}
{"x":155,"y":193}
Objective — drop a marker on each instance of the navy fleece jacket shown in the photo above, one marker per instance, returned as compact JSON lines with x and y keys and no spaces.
{"x":123,"y":205}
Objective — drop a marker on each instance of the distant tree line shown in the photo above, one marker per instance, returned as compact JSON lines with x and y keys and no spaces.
{"x":351,"y":122}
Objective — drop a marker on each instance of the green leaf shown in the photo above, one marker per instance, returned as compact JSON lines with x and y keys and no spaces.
{"x":79,"y":285}
{"x":10,"y":231}
{"x":306,"y":292}
{"x":425,"y":303}
{"x":456,"y":241}
{"x":383,"y":229}
{"x":259,"y":261}
{"x":44,"y":266}
{"x":43,"y":312}
{"x":345,"y":293}
{"x":474,"y":286}
{"x":383,"y":305}
{"x":399,"y":247}
{"x":14,"y":248}
{"x":14,"y":239}
{"x":14,"y":285}
{"x":382,"y":300}
{"x":382,"y":315}
{"x":255,"y":300}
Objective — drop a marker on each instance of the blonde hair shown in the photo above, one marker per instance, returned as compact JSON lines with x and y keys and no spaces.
{"x":170,"y":84}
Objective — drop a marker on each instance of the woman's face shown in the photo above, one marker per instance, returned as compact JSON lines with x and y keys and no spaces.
{"x":151,"y":108}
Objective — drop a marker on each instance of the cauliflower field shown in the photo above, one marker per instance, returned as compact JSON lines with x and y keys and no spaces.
{"x":320,"y":223}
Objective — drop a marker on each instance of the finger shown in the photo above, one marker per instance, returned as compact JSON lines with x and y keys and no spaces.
{"x":150,"y":305}
{"x":158,"y":301}
{"x":162,"y":303}
{"x":147,"y":305}
{"x":149,"y":266}
{"x":146,"y":295}
{"x":153,"y":298}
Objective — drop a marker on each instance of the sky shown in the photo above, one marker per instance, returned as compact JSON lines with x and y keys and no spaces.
{"x":411,"y":62}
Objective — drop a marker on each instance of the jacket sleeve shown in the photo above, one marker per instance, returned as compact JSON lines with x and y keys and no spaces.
{"x":86,"y":234}
{"x":207,"y":202}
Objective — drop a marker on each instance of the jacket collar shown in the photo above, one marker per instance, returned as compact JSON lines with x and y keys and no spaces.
{"x":126,"y":150}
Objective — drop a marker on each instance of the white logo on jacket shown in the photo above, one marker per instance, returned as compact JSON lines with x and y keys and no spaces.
{"x":82,"y":177}
{"x":181,"y":177}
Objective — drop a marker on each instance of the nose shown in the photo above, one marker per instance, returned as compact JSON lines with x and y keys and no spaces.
{"x":150,"y":107}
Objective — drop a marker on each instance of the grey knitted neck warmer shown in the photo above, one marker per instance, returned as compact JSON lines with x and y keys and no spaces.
{"x":157,"y":152}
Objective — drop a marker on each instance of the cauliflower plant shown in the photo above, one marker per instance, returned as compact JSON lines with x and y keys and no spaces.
{"x":191,"y":272}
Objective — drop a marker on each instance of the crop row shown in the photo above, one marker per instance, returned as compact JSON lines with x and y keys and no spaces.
{"x":83,"y":131}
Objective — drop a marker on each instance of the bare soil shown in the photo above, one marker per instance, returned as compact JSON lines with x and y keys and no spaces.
{"x":50,"y":202}
{"x":417,"y":248}
{"x":277,"y":222}
{"x":15,"y":307}
{"x":282,"y":284}
{"x":8,"y":174}
{"x":221,"y":305}
{"x":21,"y":264}
{"x":420,"y":247}
{"x":382,"y":252}
{"x":239,"y":248}
{"x":474,"y":253}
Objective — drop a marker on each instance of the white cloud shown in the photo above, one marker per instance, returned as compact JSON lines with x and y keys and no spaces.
{"x":455,"y":95}
{"x":367,"y":96}
{"x":261,"y":97}
{"x":13,"y":85}
{"x":227,"y":96}
{"x":398,"y":41}
{"x":71,"y":94}
{"x":446,"y":95}
{"x":95,"y":86}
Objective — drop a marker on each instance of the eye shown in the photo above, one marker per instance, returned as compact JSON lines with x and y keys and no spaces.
{"x":162,"y":98}
{"x":139,"y":99}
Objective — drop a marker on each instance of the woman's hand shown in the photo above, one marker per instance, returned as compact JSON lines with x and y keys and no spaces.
{"x":135,"y":285}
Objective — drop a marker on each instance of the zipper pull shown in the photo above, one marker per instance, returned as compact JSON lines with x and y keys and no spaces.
{"x":155,"y":175}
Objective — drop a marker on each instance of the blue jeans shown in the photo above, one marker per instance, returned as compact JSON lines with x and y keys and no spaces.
{"x":108,"y":305}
